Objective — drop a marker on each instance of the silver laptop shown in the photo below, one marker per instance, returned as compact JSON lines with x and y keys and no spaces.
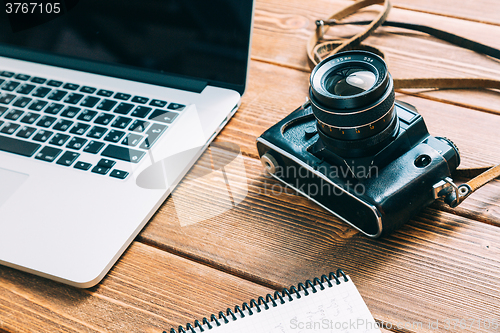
{"x":104,"y":107}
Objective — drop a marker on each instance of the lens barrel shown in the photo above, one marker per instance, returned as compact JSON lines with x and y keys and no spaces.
{"x":352,"y":98}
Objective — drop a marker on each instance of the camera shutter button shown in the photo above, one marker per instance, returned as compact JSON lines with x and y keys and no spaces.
{"x":422,"y":161}
{"x":310,"y":131}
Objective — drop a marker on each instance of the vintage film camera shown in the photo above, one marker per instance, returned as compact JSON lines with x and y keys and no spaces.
{"x":357,"y":152}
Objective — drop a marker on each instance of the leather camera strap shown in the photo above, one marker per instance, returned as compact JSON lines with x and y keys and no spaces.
{"x":318,"y":48}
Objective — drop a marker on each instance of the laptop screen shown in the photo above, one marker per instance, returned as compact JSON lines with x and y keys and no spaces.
{"x":135,"y":39}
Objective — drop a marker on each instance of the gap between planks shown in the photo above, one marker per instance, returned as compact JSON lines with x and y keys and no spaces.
{"x":445,"y":15}
{"x":230,"y":271}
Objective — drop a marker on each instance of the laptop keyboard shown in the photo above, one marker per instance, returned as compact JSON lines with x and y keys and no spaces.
{"x":62,"y":123}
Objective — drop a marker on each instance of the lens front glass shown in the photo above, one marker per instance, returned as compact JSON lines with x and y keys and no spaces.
{"x":349,"y":81}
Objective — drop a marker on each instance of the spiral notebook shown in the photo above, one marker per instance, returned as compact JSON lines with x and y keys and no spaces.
{"x":325,"y":305}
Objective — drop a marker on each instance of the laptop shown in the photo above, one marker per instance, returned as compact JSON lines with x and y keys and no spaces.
{"x":104,"y":107}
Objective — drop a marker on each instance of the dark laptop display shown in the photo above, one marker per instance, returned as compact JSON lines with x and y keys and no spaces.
{"x":186,"y":38}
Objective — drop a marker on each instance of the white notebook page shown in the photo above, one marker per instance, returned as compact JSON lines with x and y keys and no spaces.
{"x":339,"y":308}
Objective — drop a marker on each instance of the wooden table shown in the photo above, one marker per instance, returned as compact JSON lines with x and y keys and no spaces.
{"x":444,"y":264}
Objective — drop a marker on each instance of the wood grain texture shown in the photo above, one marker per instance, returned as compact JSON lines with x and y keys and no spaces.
{"x":444,"y":265}
{"x":213,"y":245}
{"x":409,"y":54}
{"x":484,"y":11}
{"x":147,"y":291}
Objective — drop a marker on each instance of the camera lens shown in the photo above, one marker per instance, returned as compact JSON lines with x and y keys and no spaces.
{"x":352,"y":98}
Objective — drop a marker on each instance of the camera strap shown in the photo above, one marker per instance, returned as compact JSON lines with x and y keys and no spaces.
{"x":318,"y":48}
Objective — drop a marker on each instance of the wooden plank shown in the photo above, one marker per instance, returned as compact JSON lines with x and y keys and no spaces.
{"x":283,"y":28}
{"x":274,"y":92}
{"x":485,"y":11}
{"x":445,"y":266}
{"x":147,"y":291}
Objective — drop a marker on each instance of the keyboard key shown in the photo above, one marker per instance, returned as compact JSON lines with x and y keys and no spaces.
{"x":54,"y":108}
{"x":39,"y":80}
{"x":152,"y":135}
{"x":62,"y":125}
{"x":25,"y":132}
{"x":9,"y":128}
{"x":3,"y":109}
{"x":48,"y":154}
{"x":6,"y":98}
{"x":114,"y":136}
{"x":7,"y":74}
{"x":141,"y":111}
{"x":106,"y":105}
{"x":121,"y":122}
{"x":132,"y":140}
{"x":139,"y":99}
{"x":70,"y":112}
{"x":158,"y":103}
{"x":97,"y":132}
{"x":93,"y":147}
{"x":71,"y":86}
{"x":59,"y":139}
{"x":37,"y":105}
{"x":104,"y":119}
{"x":139,"y":126}
{"x":21,"y":102}
{"x":42,"y":135}
{"x":1,"y":81}
{"x":104,"y":162}
{"x":122,"y":96}
{"x":100,"y":170}
{"x":87,"y":115}
{"x":67,"y":158}
{"x":76,"y":143}
{"x":22,"y":77}
{"x":79,"y":129}
{"x":123,"y":108}
{"x":166,"y":117}
{"x":123,"y":154}
{"x":175,"y":106}
{"x":73,"y":98}
{"x":88,"y":90}
{"x":46,"y":121}
{"x":118,"y":174}
{"x":41,"y":92}
{"x":13,"y":114}
{"x":105,"y":93}
{"x":25,"y":89}
{"x":54,"y":83}
{"x":57,"y":95}
{"x":30,"y":118}
{"x":10,"y":85}
{"x":89,"y":101}
{"x":19,"y":147}
{"x":82,"y":166}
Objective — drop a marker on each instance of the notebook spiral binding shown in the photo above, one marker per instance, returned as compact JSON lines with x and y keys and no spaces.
{"x":261,"y":301}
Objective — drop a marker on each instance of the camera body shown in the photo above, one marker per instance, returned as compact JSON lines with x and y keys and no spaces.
{"x":375,"y":181}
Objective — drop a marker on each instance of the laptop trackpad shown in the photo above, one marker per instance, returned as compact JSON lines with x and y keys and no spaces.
{"x":10,"y":181}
